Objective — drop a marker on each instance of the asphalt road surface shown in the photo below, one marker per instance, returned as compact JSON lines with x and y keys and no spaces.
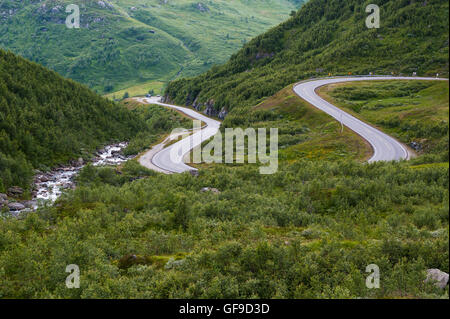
{"x":170,"y":159}
{"x":385,"y":148}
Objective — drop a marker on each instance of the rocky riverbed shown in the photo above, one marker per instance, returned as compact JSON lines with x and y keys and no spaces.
{"x":48,"y":186}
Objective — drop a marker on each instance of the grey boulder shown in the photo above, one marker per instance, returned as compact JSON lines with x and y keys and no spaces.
{"x":15,"y":191}
{"x":194,"y":172}
{"x":16,"y":206}
{"x":437,"y":276}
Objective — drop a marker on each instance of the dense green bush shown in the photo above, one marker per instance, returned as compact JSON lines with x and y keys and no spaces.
{"x":308,"y":231}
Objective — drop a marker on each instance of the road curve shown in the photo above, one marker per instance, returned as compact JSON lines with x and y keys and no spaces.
{"x":385,"y":147}
{"x":170,"y":159}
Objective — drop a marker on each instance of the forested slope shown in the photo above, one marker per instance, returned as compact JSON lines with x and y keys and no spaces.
{"x":46,"y":119}
{"x":326,"y":36}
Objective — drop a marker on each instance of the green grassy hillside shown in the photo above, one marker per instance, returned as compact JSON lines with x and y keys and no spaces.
{"x":122,"y":43}
{"x":46,"y":120}
{"x":326,"y":36}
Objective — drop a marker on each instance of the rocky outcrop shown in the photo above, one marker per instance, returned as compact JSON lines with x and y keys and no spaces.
{"x":197,"y":105}
{"x":15,"y":191}
{"x":42,"y":179}
{"x":222,"y":114}
{"x":16,"y":206}
{"x":208,"y":107}
{"x":5,"y":14}
{"x":189,"y":99}
{"x":416,"y":146}
{"x":166,"y":99}
{"x":56,"y":9}
{"x":104,"y":4}
{"x":438,"y":277}
{"x":202,"y":7}
{"x":262,"y":55}
{"x":210,"y":110}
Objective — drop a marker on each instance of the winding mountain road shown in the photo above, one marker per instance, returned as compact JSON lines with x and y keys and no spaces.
{"x":385,"y":147}
{"x":170,"y":159}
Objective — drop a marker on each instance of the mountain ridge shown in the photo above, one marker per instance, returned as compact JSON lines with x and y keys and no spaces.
{"x":322,"y":38}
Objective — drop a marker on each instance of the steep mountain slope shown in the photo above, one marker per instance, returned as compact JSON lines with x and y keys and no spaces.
{"x":121,"y":43}
{"x":326,"y":36}
{"x":46,"y":119}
